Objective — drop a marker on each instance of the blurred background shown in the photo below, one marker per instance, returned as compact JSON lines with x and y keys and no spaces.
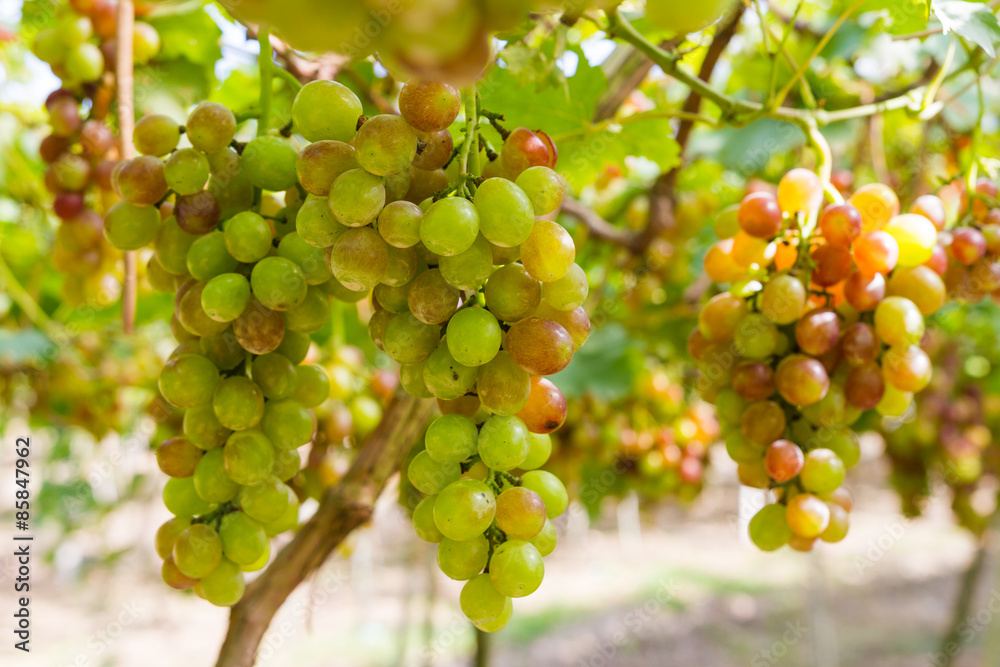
{"x":653,"y":566}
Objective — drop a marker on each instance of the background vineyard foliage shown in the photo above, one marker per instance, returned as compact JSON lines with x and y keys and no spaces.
{"x":90,"y":392}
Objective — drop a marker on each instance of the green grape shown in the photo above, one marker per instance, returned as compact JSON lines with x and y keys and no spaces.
{"x":404,"y":263}
{"x":366,"y":413}
{"x":74,"y":30}
{"x":539,"y":451}
{"x":265,"y":501}
{"x":208,"y":257}
{"x":210,"y":127}
{"x":225,"y":297}
{"x":222,"y":349}
{"x":130,"y":227}
{"x":503,"y":386}
{"x":197,"y":551}
{"x":464,"y":509}
{"x":545,"y":541}
{"x":294,"y":347}
{"x":822,"y":471}
{"x":394,"y":300}
{"x":359,"y":259}
{"x":444,"y":377}
{"x":186,"y":171}
{"x":320,"y":163}
{"x":506,"y":217}
{"x":463,"y":560}
{"x":769,"y":528}
{"x":224,"y":586}
{"x":449,"y":226}
{"x":177,"y":457}
{"x":288,"y":424}
{"x":287,"y":464}
{"x":412,"y":380}
{"x":503,"y":442}
{"x":898,"y":321}
{"x":474,"y":336}
{"x":423,"y":521}
{"x":248,"y":237}
{"x":278,"y":283}
{"x":202,"y":427}
{"x":516,"y":568}
{"x":520,"y":513}
{"x":269,"y":163}
{"x":480,"y":601}
{"x":407,"y":340}
{"x":192,"y":314}
{"x":188,"y":380}
{"x":156,"y":135}
{"x":166,"y":534}
{"x":159,"y":279}
{"x":756,"y":337}
{"x":326,"y":110}
{"x":258,"y":329}
{"x":316,"y":224}
{"x":843,"y":442}
{"x":310,"y":315}
{"x":140,"y":181}
{"x":399,"y":224}
{"x":85,"y":62}
{"x":451,"y":439}
{"x":397,"y":185}
{"x":145,"y":42}
{"x":512,"y":294}
{"x":261,"y":562}
{"x":356,"y":198}
{"x":248,"y":456}
{"x":429,"y":476}
{"x":211,"y":480}
{"x":289,"y":519}
{"x":385,"y":145}
{"x":569,"y":292}
{"x":544,"y":188}
{"x":274,"y":374}
{"x":470,"y":269}
{"x":172,"y":244}
{"x":376,"y":326}
{"x":431,"y":299}
{"x":243,"y":539}
{"x":500,"y":621}
{"x":309,"y":258}
{"x":548,"y":253}
{"x":238,"y":403}
{"x":312,"y":386}
{"x":49,"y":47}
{"x":549,"y":488}
{"x":181,"y":498}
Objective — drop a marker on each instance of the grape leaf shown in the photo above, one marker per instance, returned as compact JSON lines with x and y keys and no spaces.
{"x":904,"y":16}
{"x":605,"y":367}
{"x":193,"y":36}
{"x":971,"y":21}
{"x":564,"y":108}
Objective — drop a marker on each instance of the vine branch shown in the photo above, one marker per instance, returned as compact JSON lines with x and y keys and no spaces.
{"x":345,"y":507}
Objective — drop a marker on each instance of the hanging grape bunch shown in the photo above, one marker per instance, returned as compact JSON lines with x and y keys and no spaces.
{"x":821,"y":322}
{"x":968,"y":256}
{"x":81,"y":151}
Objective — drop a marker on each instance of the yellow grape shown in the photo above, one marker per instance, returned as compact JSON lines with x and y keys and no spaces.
{"x":916,"y":236}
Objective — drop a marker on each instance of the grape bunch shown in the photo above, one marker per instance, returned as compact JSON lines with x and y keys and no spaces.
{"x":821,"y":322}
{"x":247,"y":295}
{"x":80,"y":48}
{"x":470,"y":325}
{"x":968,"y":253}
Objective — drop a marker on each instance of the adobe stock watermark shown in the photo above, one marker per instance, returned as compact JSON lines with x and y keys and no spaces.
{"x":638,"y":617}
{"x":773,"y":654}
{"x":880,"y":546}
{"x":972,"y":626}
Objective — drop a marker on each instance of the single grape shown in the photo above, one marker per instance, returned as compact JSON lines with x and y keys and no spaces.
{"x":356,"y":198}
{"x":506,"y":216}
{"x":818,"y":331}
{"x":463,"y":560}
{"x":177,"y":457}
{"x":523,"y":149}
{"x":800,"y":190}
{"x":265,"y":501}
{"x":539,"y":346}
{"x":470,"y":269}
{"x":511,"y":293}
{"x":203,"y":428}
{"x":907,"y":368}
{"x":188,"y":380}
{"x":423,"y":521}
{"x":520,"y":513}
{"x":197,"y":551}
{"x":763,"y":422}
{"x":864,"y":386}
{"x":832,"y":264}
{"x":312,"y":386}
{"x":544,"y":188}
{"x":224,"y":586}
{"x":399,"y":224}
{"x":782,"y":300}
{"x":449,"y":226}
{"x":243,"y":539}
{"x":326,"y":110}
{"x":474,"y":336}
{"x":248,"y":237}
{"x":720,"y":317}
{"x":385,"y":145}
{"x":225,"y":296}
{"x":753,"y":380}
{"x":807,"y":515}
{"x":210,"y":127}
{"x":186,"y":171}
{"x":769,"y":529}
{"x":503,"y":386}
{"x":898,"y":321}
{"x":238,"y":403}
{"x":258,"y":329}
{"x":211,"y":480}
{"x":287,"y":423}
{"x":407,"y":340}
{"x":759,"y":215}
{"x":198,"y":213}
{"x":130,"y":227}
{"x":451,"y":439}
{"x":429,"y":106}
{"x":915,"y":235}
{"x":932,"y":208}
{"x":864,"y":291}
{"x":278,"y":283}
{"x":181,"y":498}
{"x":516,"y":568}
{"x":503,"y":442}
{"x":877,"y":204}
{"x":548,"y":252}
{"x":431,"y":299}
{"x":359,"y":259}
{"x":822,"y":472}
{"x":480,"y":601}
{"x":801,"y":380}
{"x":269,"y":163}
{"x":569,"y":292}
{"x":444,"y":377}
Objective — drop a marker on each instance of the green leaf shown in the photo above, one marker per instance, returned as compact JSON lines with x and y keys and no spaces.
{"x":605,"y":367}
{"x":971,"y":21}
{"x":193,"y":36}
{"x":24,"y":345}
{"x":904,"y":16}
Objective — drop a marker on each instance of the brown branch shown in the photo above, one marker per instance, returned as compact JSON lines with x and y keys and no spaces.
{"x":126,"y":122}
{"x":344,"y":508}
{"x":599,"y":227}
{"x":661,"y":195}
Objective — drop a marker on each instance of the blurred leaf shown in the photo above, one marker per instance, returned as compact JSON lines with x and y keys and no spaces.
{"x":23,"y":345}
{"x":606,"y":366}
{"x":971,"y":21}
{"x":193,"y":36}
